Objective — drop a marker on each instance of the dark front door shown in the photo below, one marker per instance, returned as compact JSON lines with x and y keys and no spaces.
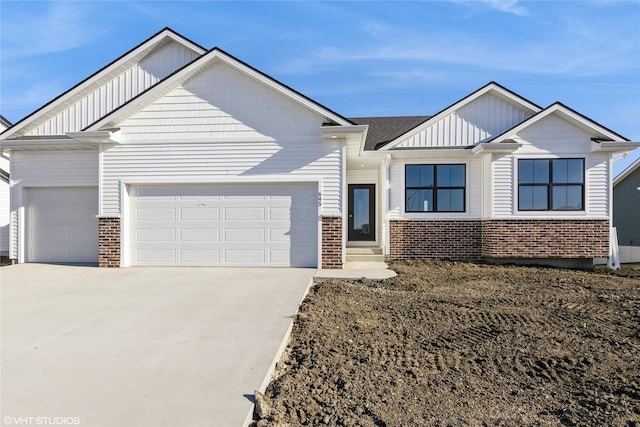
{"x":362,"y":212}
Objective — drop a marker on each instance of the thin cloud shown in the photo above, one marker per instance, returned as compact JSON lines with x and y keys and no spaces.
{"x":507,"y":6}
{"x":61,"y":26}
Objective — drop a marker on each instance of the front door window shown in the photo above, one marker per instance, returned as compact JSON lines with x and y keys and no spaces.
{"x":361,"y":212}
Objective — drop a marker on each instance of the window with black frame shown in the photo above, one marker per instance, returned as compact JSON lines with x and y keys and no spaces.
{"x":435,"y":188}
{"x":550,"y":184}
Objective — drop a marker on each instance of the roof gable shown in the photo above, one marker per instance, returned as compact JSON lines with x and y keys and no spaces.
{"x":110,"y":87}
{"x":219,"y":103}
{"x":182,"y":76}
{"x":569,"y":115}
{"x":473,"y":119}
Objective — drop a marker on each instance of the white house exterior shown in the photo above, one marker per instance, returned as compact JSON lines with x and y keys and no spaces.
{"x":4,"y":195}
{"x":175,"y":155}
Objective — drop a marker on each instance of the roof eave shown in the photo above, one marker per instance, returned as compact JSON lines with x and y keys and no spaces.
{"x":613,"y":146}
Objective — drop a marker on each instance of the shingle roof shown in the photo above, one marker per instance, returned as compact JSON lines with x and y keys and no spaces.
{"x":382,"y":130}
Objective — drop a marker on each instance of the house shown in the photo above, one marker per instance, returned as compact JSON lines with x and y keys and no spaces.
{"x":4,"y":196}
{"x":626,"y":205}
{"x":177,"y":155}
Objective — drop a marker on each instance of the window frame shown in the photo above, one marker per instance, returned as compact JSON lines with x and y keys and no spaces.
{"x":434,"y":188}
{"x":549,"y":185}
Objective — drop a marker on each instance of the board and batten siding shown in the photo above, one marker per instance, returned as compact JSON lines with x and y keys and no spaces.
{"x":473,"y":190}
{"x":113,"y":93}
{"x":481,"y":119}
{"x":69,"y":168}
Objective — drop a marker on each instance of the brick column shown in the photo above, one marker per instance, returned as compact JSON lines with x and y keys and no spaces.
{"x":332,"y":242}
{"x":109,"y":241}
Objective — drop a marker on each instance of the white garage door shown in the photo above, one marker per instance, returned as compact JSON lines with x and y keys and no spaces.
{"x":227,"y":224}
{"x":61,"y":224}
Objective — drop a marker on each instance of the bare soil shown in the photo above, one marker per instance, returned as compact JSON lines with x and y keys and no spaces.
{"x":460,"y":344}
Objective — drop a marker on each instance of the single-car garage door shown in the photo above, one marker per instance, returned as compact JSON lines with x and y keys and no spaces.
{"x":225,"y":224}
{"x":61,"y":224}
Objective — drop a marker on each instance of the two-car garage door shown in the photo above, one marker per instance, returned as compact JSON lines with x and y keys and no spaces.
{"x":224,"y":224}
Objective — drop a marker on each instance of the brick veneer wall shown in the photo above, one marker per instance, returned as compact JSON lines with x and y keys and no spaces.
{"x":495,"y":239}
{"x":332,"y":242}
{"x":542,"y":238}
{"x":108,"y":242}
{"x":435,"y":239}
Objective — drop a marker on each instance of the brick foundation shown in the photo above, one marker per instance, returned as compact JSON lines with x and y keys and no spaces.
{"x":435,"y":239}
{"x":332,"y":242}
{"x":511,"y":240}
{"x":542,"y":238}
{"x":108,"y":242}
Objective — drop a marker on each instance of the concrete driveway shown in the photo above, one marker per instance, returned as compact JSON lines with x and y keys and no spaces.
{"x":140,"y":346}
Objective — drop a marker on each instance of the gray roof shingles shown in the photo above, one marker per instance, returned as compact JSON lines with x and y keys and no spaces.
{"x":383,"y":130}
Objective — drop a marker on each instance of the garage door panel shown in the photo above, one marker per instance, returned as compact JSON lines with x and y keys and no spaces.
{"x":155,"y":214}
{"x":244,"y":214}
{"x":156,"y":235}
{"x":236,"y":224}
{"x":61,"y":224}
{"x":200,"y":256}
{"x":244,"y":235}
{"x":200,"y":214}
{"x":200,"y":235}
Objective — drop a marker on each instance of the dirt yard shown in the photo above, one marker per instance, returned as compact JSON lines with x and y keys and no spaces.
{"x":457,"y":344}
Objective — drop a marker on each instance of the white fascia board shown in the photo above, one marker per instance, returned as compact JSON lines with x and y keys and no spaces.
{"x":96,"y":137}
{"x":341,"y":132}
{"x":613,"y":146}
{"x":48,"y":144}
{"x":494,"y":147}
{"x":129,"y":57}
{"x":430,"y":153}
{"x":491,"y":87}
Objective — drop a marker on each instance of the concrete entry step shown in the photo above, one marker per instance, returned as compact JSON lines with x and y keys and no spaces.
{"x":365,"y":258}
{"x":369,"y":250}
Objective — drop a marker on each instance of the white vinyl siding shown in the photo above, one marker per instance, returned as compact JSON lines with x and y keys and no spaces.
{"x":552,"y":137}
{"x":47,"y":169}
{"x":104,"y":97}
{"x":504,"y":184}
{"x":221,"y":103}
{"x":473,"y":190}
{"x":596,"y":186}
{"x":222,"y":125}
{"x":202,"y":162}
{"x":481,"y":119}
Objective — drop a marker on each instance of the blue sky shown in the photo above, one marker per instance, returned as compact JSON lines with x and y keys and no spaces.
{"x":357,"y":58}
